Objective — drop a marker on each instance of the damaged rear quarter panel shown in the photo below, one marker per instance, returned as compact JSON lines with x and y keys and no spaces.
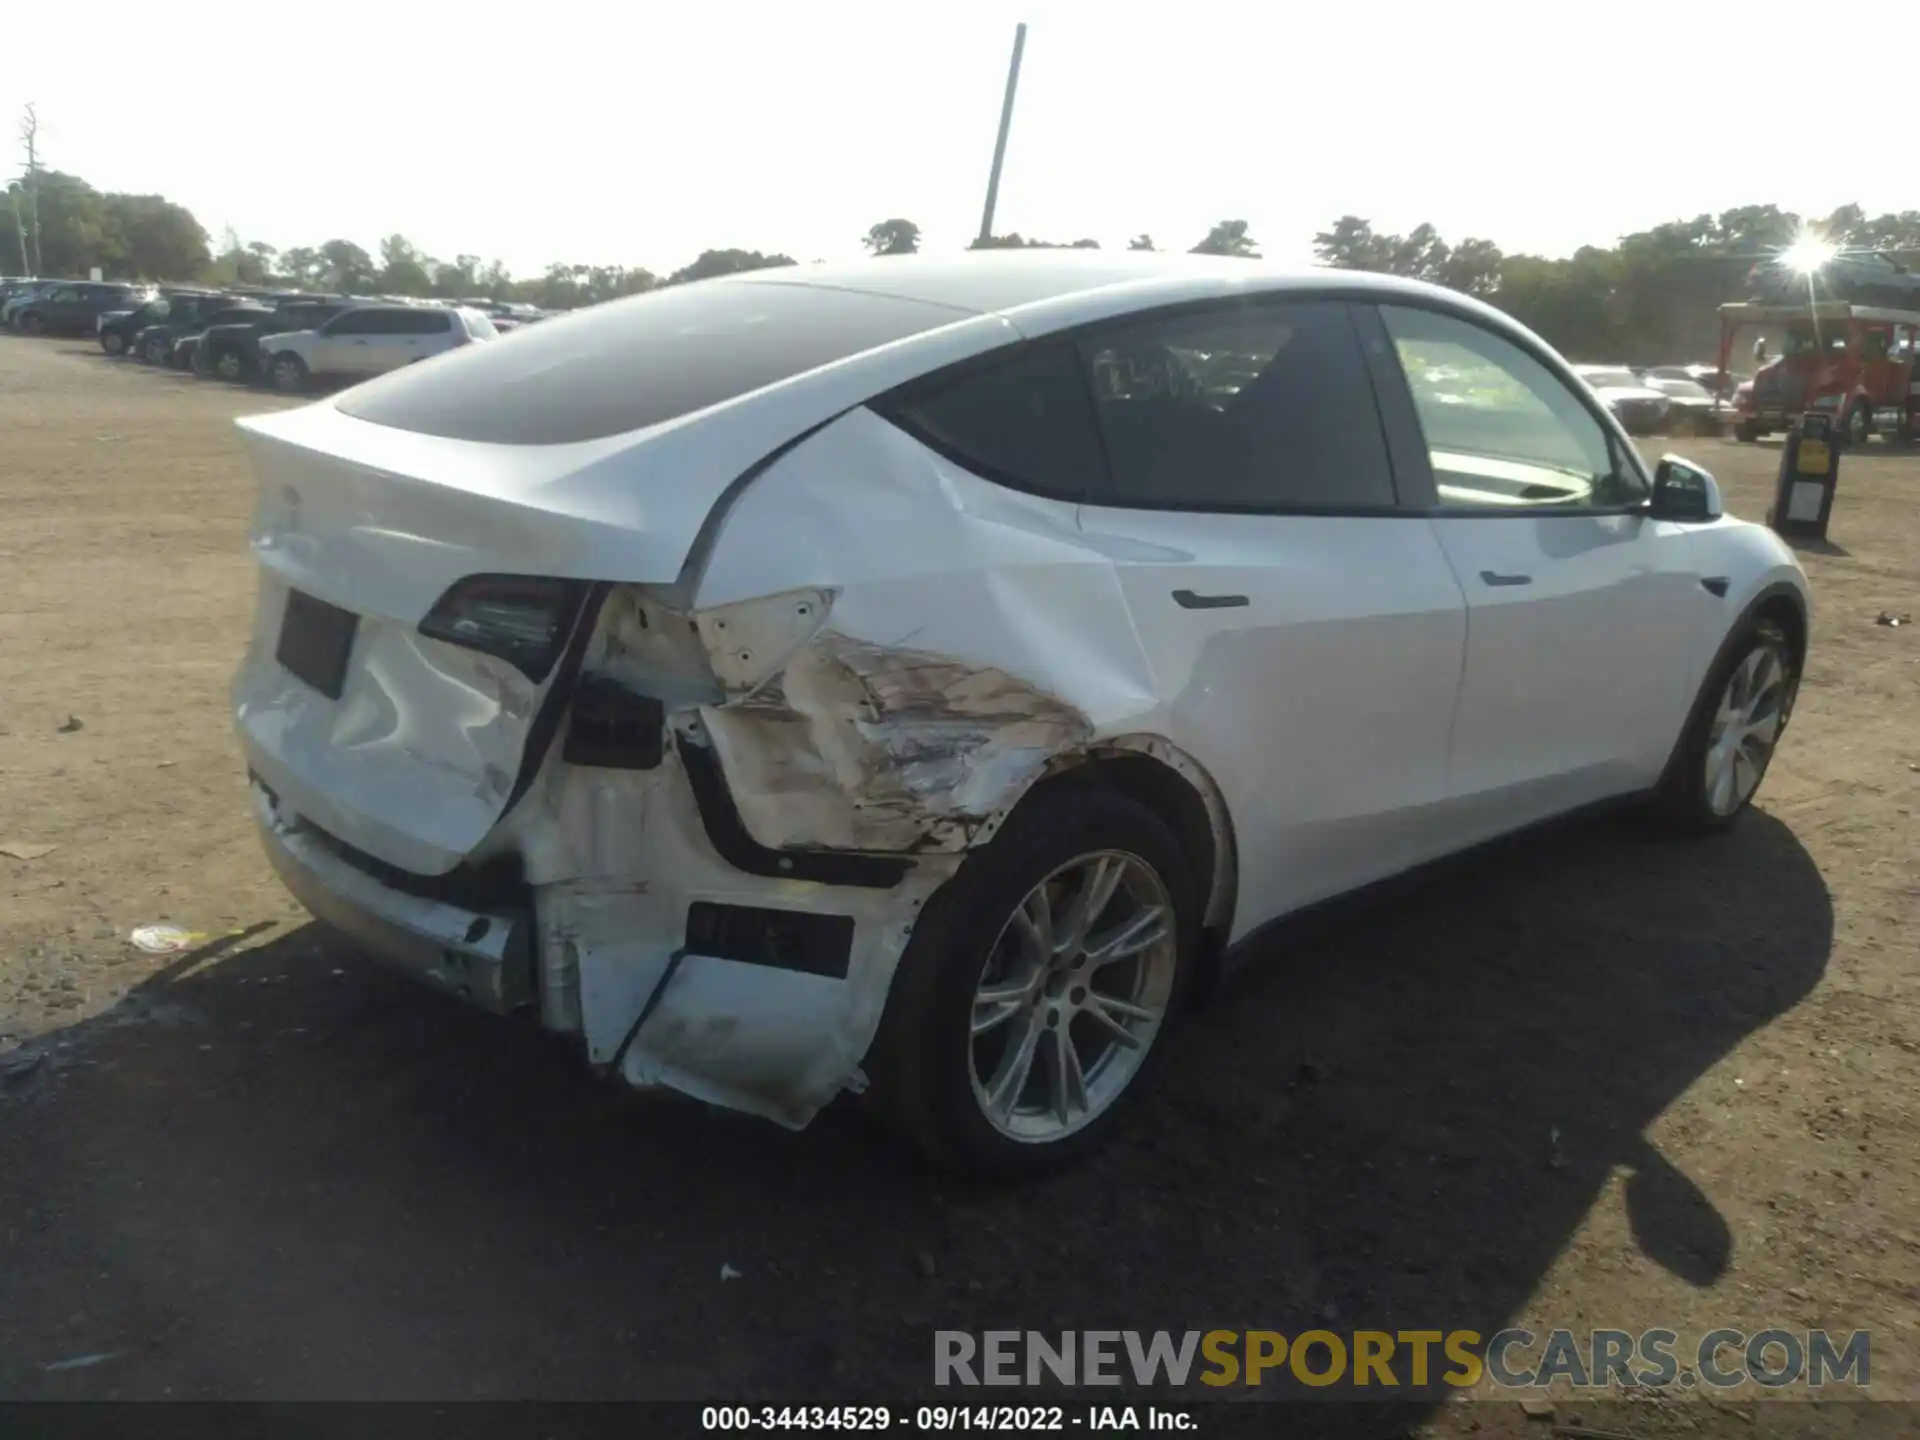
{"x":973,"y":640}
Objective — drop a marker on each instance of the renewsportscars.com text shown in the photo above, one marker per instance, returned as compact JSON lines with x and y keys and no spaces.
{"x":1509,"y":1359}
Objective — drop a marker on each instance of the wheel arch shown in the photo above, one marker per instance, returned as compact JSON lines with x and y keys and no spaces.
{"x":1783,"y":605}
{"x":1159,"y":775}
{"x":1781,"y":602}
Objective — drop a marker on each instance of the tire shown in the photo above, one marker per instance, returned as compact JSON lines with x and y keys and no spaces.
{"x":931,"y":1075}
{"x":33,"y":323}
{"x":228,"y":364}
{"x":113,"y":342}
{"x":156,"y":351}
{"x":1688,"y":801}
{"x":1746,"y":432}
{"x":288,"y":373}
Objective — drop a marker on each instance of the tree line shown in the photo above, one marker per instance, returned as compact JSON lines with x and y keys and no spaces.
{"x":1652,"y":298}
{"x":1649,"y":298}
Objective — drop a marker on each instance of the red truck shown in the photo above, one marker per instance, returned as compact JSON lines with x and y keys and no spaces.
{"x":1861,"y":362}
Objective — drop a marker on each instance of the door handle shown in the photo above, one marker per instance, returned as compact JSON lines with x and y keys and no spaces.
{"x":1187,"y":600}
{"x":1495,"y":578}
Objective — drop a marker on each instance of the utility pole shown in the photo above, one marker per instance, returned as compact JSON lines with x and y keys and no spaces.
{"x":1006,"y":121}
{"x":30,"y":134}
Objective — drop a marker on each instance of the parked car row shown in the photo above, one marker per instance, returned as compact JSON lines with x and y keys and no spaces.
{"x":1664,"y":399}
{"x":65,"y":307}
{"x":284,"y":338}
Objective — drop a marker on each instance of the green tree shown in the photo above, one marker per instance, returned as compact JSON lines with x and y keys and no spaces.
{"x":1351,"y":245}
{"x":1014,"y":241}
{"x":77,"y":231}
{"x":239,"y":263}
{"x":893,"y":237}
{"x":711,"y":263}
{"x":1229,"y":237}
{"x":403,"y":268}
{"x":304,"y":267}
{"x":157,"y":239}
{"x":19,"y":209}
{"x":458,"y":277}
{"x":347,"y":268}
{"x":1471,"y":267}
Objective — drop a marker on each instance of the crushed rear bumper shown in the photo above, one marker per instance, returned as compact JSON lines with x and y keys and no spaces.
{"x":485,"y":957}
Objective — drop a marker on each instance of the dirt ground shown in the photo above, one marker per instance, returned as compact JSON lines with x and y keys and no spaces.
{"x":1596,"y":1080}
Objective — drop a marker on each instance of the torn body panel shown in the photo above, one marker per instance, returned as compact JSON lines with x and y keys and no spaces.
{"x":859,"y":747}
{"x":616,"y":861}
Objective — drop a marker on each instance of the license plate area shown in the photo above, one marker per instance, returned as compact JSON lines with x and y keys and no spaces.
{"x":315,"y":640}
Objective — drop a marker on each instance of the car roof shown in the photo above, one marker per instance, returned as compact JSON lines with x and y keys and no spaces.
{"x":841,"y":334}
{"x":1040,"y":291}
{"x":994,"y":282}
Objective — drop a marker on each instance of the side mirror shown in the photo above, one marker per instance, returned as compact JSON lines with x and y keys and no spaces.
{"x":1760,"y":350}
{"x":1683,"y":491}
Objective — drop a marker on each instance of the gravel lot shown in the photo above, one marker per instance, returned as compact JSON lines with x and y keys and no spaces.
{"x":1595,"y":1080}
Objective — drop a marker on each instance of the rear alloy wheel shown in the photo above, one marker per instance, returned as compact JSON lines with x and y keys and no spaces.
{"x":1071,"y":996}
{"x":113,"y":342}
{"x":289,"y":374}
{"x":1731,"y":736}
{"x":1027,"y":1006}
{"x":33,"y":323}
{"x":157,"y":351}
{"x":228,"y":367}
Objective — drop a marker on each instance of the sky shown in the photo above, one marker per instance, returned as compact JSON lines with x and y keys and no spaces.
{"x":591,"y":132}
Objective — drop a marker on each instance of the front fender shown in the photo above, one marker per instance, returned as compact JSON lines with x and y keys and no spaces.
{"x":1758,"y":569}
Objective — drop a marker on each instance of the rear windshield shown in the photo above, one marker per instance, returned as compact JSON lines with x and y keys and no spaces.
{"x":632,"y":363}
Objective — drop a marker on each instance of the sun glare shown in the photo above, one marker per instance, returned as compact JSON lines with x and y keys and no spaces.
{"x":1808,"y":253}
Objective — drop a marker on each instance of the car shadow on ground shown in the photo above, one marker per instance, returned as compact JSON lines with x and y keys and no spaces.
{"x":129,"y":362}
{"x":284,"y":1173}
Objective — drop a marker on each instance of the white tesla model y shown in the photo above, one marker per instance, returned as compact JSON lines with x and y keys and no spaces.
{"x":908,"y":677}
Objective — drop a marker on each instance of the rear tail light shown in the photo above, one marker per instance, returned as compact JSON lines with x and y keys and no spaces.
{"x":522,"y":619}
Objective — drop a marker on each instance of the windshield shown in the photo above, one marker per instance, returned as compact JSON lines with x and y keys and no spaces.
{"x":1611,"y":379}
{"x":1805,"y":338}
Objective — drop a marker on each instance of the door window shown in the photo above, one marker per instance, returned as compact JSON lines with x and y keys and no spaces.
{"x":422,"y":322}
{"x":1501,"y":429}
{"x":1264,"y":408}
{"x":353,"y":322}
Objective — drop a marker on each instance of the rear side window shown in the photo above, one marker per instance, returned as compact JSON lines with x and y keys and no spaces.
{"x":423,"y":322}
{"x":1258,"y":408}
{"x":631,"y":363}
{"x":1027,"y":421}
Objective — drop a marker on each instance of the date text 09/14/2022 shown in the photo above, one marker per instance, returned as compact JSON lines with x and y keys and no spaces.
{"x":944,"y":1418}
